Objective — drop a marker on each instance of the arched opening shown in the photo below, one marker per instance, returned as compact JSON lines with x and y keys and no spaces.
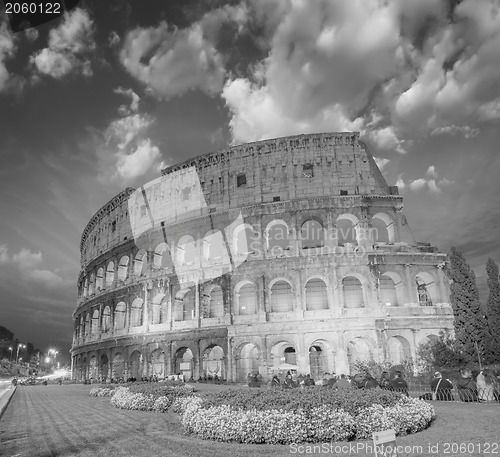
{"x":387,"y":291}
{"x":215,"y":302}
{"x":110,"y":273}
{"x":399,"y":350}
{"x":346,"y":229}
{"x":158,"y":305}
{"x":93,"y":368}
{"x":92,"y":284}
{"x":382,"y":230}
{"x":213,"y":363}
{"x":186,"y":251}
{"x":120,"y":313}
{"x":247,"y":362}
{"x":104,"y":367}
{"x":99,"y":279}
{"x":214,"y":250}
{"x":318,"y":361}
{"x":277,"y":238}
{"x":359,"y":350}
{"x":162,"y":258}
{"x":158,"y":363}
{"x":136,"y":312}
{"x":245,"y":241}
{"x":106,"y":320}
{"x":184,"y":363}
{"x":312,"y":234}
{"x":136,"y":365}
{"x":316,"y":295}
{"x":123,"y":268}
{"x":290,"y":356}
{"x":117,"y":367}
{"x":140,"y":263}
{"x":87,"y":326}
{"x":184,"y":305}
{"x":281,"y":297}
{"x":95,"y":323}
{"x":246,"y":298}
{"x":353,"y":292}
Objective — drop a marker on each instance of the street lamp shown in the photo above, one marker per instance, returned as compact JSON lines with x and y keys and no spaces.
{"x":10,"y":356}
{"x":19,"y":346}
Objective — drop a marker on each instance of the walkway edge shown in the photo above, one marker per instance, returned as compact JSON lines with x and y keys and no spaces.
{"x":5,"y":400}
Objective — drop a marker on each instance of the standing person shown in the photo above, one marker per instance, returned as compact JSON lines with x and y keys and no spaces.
{"x":398,"y":384}
{"x":442,"y":387}
{"x":385,"y":380}
{"x":486,"y":385}
{"x":467,"y":389}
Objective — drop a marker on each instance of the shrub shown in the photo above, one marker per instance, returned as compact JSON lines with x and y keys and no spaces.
{"x":325,"y":423}
{"x":149,"y":397}
{"x":101,"y":391}
{"x":349,"y":400}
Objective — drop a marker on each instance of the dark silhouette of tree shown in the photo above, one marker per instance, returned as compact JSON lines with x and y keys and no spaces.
{"x":493,"y":309}
{"x":471,"y":328}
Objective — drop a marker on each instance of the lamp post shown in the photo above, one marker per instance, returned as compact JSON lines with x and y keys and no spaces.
{"x":10,"y":356}
{"x":19,"y":346}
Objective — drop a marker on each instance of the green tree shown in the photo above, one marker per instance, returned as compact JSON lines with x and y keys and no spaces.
{"x":471,"y":328}
{"x":493,"y":309}
{"x":439,"y":353}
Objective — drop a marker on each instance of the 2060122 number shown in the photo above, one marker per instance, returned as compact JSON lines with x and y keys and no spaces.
{"x":33,"y":8}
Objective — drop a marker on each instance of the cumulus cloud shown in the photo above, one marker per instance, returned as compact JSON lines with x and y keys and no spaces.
{"x":27,"y":264}
{"x":125,"y":151}
{"x":69,"y":48}
{"x":171,"y":61}
{"x":424,"y":67}
{"x":432,"y":181}
{"x":142,"y":159}
{"x":7,"y":50}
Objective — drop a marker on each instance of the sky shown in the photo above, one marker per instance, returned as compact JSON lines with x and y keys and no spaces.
{"x":107,"y":95}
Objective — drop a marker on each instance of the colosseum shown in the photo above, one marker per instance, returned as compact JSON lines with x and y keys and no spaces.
{"x":284,"y":253}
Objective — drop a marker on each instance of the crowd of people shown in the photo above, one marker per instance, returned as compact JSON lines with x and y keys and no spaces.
{"x":485,"y":388}
{"x":361,"y":381}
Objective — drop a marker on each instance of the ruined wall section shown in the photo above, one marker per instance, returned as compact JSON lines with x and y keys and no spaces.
{"x":303,"y":166}
{"x":108,"y":228}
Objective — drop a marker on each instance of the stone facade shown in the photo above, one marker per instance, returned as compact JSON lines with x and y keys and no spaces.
{"x":298,"y":254}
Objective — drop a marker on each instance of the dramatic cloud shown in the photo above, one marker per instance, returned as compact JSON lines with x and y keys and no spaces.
{"x":126,"y":152}
{"x":171,"y":61}
{"x":7,"y":49}
{"x":395,"y":70}
{"x":432,"y":181}
{"x":27,"y":264}
{"x":69,"y":47}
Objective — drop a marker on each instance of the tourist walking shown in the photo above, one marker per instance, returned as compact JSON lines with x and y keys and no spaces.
{"x":467,"y":389}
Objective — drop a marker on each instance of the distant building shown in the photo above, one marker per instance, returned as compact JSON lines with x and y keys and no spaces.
{"x":291,"y":251}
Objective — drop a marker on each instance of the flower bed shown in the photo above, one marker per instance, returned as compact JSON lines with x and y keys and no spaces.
{"x":101,"y":391}
{"x":149,"y":397}
{"x":246,"y":417}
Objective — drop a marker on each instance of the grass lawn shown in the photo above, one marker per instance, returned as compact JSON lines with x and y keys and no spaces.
{"x":64,"y":421}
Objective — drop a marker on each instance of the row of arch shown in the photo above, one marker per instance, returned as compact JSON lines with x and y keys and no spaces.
{"x":281,"y":299}
{"x":247,"y":358}
{"x":243,"y":240}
